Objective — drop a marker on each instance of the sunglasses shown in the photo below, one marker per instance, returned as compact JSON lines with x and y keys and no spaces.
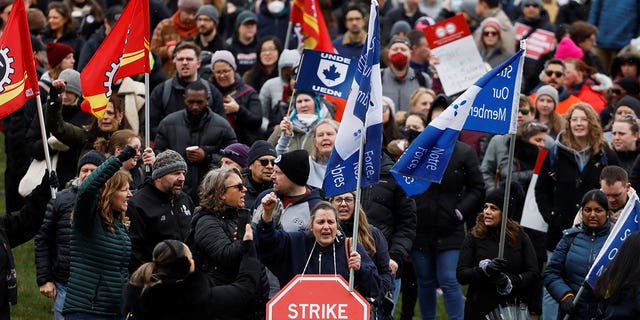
{"x":265,"y":162}
{"x":524,"y":111}
{"x":240,"y":186}
{"x":557,"y":73}
{"x":490,"y":34}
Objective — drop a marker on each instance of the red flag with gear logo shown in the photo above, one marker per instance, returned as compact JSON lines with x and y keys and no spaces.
{"x":18,"y":78}
{"x":124,"y":52}
{"x":312,"y":27}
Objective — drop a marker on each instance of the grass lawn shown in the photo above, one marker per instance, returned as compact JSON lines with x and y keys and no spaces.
{"x":33,"y":306}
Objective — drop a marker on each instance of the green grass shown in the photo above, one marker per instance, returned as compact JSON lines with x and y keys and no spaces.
{"x":33,"y":306}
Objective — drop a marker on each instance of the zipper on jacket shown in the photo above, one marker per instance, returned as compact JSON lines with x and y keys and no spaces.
{"x":320,"y":262}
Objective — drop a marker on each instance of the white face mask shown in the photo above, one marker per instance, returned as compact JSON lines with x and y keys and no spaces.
{"x":307,"y":119}
{"x":275,"y":7}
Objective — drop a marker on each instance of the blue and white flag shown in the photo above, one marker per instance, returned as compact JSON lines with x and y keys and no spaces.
{"x":362,"y":115}
{"x":326,"y":73}
{"x":490,"y":105}
{"x":628,"y":223}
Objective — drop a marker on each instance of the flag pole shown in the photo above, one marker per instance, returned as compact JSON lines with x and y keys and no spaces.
{"x":356,"y":213}
{"x":45,"y":145}
{"x":575,"y":301}
{"x":512,"y":147}
{"x":147,"y":129}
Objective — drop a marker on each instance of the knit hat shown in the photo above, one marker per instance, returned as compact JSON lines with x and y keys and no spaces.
{"x":72,"y":81}
{"x":516,"y":199}
{"x":630,"y":102}
{"x":295,"y":165}
{"x":209,"y":11}
{"x":400,"y":26}
{"x":238,"y":152}
{"x":567,"y":49}
{"x":469,"y":7}
{"x":224,"y":55}
{"x":261,"y":148}
{"x":244,"y":17}
{"x":526,"y":2}
{"x":189,"y":4}
{"x":93,"y":157}
{"x":56,"y":52}
{"x":423,"y":22}
{"x":400,"y":39}
{"x":629,"y":84}
{"x":36,"y":44}
{"x":548,"y":90}
{"x":166,"y":162}
{"x":491,"y":22}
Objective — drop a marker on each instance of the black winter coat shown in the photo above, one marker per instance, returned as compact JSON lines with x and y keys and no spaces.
{"x":178,"y":131}
{"x":248,"y":119}
{"x":461,"y":188}
{"x":156,"y":216}
{"x":254,"y":189}
{"x":390,"y":209}
{"x":69,"y":38}
{"x":197,"y":297}
{"x":482,"y":296}
{"x":559,"y":191}
{"x":52,"y":241}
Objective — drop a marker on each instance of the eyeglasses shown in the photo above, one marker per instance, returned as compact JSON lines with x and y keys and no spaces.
{"x":222,"y":72}
{"x":616,"y":91}
{"x":347,"y":200}
{"x":225,"y":152}
{"x":490,"y":34}
{"x":240,"y":186}
{"x":265,"y":162}
{"x":557,"y":73}
{"x":531,"y":5}
{"x":524,"y":111}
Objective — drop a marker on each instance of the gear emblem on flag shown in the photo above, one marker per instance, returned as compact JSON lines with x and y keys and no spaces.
{"x":110,"y":74}
{"x":5,"y":68}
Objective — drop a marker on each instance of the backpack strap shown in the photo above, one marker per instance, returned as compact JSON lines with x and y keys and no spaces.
{"x":166,"y":93}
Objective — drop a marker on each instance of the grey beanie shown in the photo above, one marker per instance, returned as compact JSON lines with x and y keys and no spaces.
{"x":72,"y":80}
{"x":209,"y":11}
{"x":166,"y":162}
{"x":469,"y":6}
{"x":244,"y":17}
{"x":526,"y":2}
{"x":548,"y":90}
{"x":400,"y":26}
{"x":224,"y":55}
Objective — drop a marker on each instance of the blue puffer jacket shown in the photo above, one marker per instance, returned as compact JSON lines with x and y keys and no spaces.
{"x":570,"y":263}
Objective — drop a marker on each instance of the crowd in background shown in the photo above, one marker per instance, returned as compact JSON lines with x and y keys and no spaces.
{"x":226,"y":204}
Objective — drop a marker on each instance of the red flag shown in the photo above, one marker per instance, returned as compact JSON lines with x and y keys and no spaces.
{"x":18,"y":79}
{"x":308,"y":15}
{"x":124,"y":52}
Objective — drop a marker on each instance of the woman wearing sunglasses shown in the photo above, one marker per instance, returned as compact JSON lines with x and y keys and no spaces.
{"x":217,"y":233}
{"x":490,"y":43}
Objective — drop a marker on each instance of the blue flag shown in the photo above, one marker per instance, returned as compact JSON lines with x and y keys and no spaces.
{"x":490,"y":105}
{"x":362,"y":116}
{"x":627,"y":223}
{"x":326,"y":73}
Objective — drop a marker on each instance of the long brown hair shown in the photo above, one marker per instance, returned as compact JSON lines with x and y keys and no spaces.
{"x":595,"y":138}
{"x":480,"y":230}
{"x":117,"y":182}
{"x":364,"y":234}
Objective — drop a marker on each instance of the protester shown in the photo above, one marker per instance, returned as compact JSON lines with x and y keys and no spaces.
{"x":324,"y":136}
{"x":266,"y":66}
{"x":571,"y":260}
{"x":60,"y":29}
{"x":257,"y":175}
{"x":135,"y":166}
{"x":546,"y":102}
{"x":492,"y":51}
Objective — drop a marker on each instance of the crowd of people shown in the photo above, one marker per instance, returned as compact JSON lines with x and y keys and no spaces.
{"x":225,"y":206}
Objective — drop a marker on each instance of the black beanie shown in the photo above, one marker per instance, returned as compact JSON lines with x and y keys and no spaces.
{"x":516,"y":201}
{"x":260,"y":148}
{"x":629,"y":84}
{"x":295,"y":165}
{"x":93,"y":157}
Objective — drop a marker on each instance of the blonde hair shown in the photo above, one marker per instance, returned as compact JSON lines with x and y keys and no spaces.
{"x":315,"y":153}
{"x":595,"y":138}
{"x":415,"y":96}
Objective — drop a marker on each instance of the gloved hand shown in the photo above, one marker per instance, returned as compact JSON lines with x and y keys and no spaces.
{"x":496,"y":266}
{"x":604,"y":82}
{"x":50,"y":179}
{"x":127,"y":153}
{"x":567,"y":305}
{"x":503,"y":284}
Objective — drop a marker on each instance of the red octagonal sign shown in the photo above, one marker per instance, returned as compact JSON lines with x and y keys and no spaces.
{"x":317,"y":297}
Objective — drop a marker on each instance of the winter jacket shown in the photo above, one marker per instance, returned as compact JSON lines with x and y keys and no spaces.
{"x":271,"y":90}
{"x":270,"y":24}
{"x":390,"y":209}
{"x":70,"y":38}
{"x":495,"y":56}
{"x":253,"y":188}
{"x":286,"y":253}
{"x":197,"y":297}
{"x":627,"y":309}
{"x":52,"y":241}
{"x":160,"y":110}
{"x":400,"y":90}
{"x":498,"y":147}
{"x":246,"y":55}
{"x":560,"y":190}
{"x":628,"y":158}
{"x":247,"y":121}
{"x":168,"y":30}
{"x":99,"y":258}
{"x":507,"y":32}
{"x":461,"y":188}
{"x":90,"y":47}
{"x":178,"y":131}
{"x":568,"y":267}
{"x":156,"y":216}
{"x":482,"y":294}
{"x":613,"y":32}
{"x":295,"y":217}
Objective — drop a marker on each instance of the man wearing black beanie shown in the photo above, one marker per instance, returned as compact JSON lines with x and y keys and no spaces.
{"x":290,"y":199}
